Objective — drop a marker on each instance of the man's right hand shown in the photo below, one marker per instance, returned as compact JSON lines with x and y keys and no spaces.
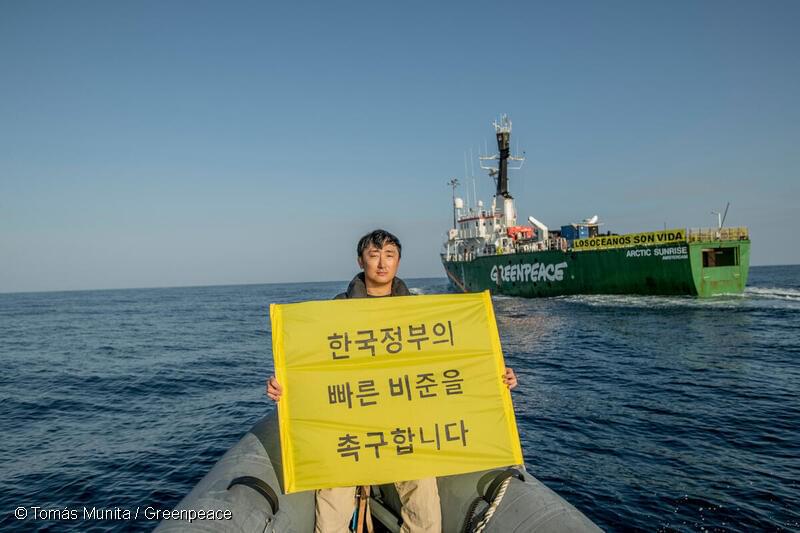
{"x":274,"y":389}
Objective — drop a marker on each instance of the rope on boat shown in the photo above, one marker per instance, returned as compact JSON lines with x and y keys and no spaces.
{"x":493,"y":496}
{"x":479,"y":527}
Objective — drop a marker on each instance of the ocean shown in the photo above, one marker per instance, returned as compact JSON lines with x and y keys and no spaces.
{"x":646,"y":413}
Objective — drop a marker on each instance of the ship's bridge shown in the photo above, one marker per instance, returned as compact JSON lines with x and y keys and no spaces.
{"x":478,"y":226}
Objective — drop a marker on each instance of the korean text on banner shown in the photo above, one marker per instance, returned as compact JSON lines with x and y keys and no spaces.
{"x":377,"y":390}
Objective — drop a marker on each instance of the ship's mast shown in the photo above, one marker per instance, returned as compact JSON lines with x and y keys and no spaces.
{"x":454,"y":183}
{"x":500,"y":173}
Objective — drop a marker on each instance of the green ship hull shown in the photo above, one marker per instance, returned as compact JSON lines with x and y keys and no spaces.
{"x":699,"y":268}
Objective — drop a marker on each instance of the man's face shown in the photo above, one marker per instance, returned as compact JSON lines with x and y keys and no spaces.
{"x":380,"y":264}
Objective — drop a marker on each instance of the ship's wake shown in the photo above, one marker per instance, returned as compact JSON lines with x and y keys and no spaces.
{"x":779,"y":293}
{"x":753,"y":297}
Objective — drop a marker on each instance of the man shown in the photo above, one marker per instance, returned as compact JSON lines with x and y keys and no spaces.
{"x":378,"y":255}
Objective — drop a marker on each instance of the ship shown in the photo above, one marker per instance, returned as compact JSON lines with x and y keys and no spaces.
{"x":488,"y":249}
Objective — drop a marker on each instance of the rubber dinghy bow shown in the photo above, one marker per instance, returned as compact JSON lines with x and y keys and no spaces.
{"x":260,"y":487}
{"x":493,"y":496}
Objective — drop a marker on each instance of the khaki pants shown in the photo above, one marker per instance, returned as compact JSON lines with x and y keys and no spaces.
{"x":421,"y":512}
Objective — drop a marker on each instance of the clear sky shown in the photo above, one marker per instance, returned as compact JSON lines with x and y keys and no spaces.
{"x":156,"y":143}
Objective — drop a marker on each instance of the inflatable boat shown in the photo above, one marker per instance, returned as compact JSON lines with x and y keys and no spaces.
{"x":242,"y":493}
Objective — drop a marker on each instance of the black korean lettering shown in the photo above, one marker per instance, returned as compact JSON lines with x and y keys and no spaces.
{"x":460,"y":432}
{"x":339,"y":343}
{"x":392,"y":338}
{"x":424,"y":384}
{"x":433,"y":434}
{"x":402,"y":439}
{"x":366,"y":340}
{"x":340,"y":394}
{"x":366,"y":390}
{"x":452,"y":382}
{"x":378,"y":442}
{"x":417,"y":335}
{"x":348,"y":446}
{"x":400,"y":387}
{"x":444,"y":333}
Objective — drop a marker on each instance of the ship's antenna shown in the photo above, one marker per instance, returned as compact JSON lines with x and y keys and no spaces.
{"x":465,"y":177}
{"x":487,"y":157}
{"x":472,"y":160}
{"x":474,"y":193}
{"x":454,"y":183}
{"x":721,"y":219}
{"x":472,"y":175}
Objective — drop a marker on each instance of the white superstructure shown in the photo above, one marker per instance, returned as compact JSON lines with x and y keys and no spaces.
{"x":493,"y":230}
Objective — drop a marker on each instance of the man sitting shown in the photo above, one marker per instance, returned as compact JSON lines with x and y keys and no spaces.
{"x":378,"y":255}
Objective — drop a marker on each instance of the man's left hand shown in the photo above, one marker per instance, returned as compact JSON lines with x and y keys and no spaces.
{"x":510,"y":378}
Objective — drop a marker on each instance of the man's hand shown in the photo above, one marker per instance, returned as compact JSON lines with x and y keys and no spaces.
{"x":509,"y":378}
{"x":274,"y":389}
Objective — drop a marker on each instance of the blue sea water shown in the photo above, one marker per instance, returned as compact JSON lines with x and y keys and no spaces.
{"x":646,"y":413}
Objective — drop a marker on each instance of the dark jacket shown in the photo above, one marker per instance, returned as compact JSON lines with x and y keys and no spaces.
{"x":358,"y":289}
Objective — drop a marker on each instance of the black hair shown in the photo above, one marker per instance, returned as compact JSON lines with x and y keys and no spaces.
{"x":378,"y":238}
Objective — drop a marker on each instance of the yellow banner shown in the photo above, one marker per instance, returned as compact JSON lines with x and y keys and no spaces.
{"x":377,"y":390}
{"x":630,"y":239}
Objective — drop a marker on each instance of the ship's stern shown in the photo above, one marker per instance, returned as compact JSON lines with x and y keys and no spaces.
{"x":720,"y":265}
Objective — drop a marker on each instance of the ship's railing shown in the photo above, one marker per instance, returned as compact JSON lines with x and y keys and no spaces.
{"x":717,"y":234}
{"x":558,"y":243}
{"x":458,"y":257}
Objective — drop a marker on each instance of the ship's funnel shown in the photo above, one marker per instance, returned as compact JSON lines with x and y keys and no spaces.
{"x":500,"y":172}
{"x":502,"y":167}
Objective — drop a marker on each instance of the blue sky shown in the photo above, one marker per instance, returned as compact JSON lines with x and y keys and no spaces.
{"x":191,"y":143}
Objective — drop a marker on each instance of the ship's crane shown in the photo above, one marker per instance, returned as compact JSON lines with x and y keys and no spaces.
{"x":721,"y":216}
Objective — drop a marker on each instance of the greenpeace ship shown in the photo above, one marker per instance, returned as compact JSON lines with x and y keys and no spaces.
{"x":488,"y":249}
